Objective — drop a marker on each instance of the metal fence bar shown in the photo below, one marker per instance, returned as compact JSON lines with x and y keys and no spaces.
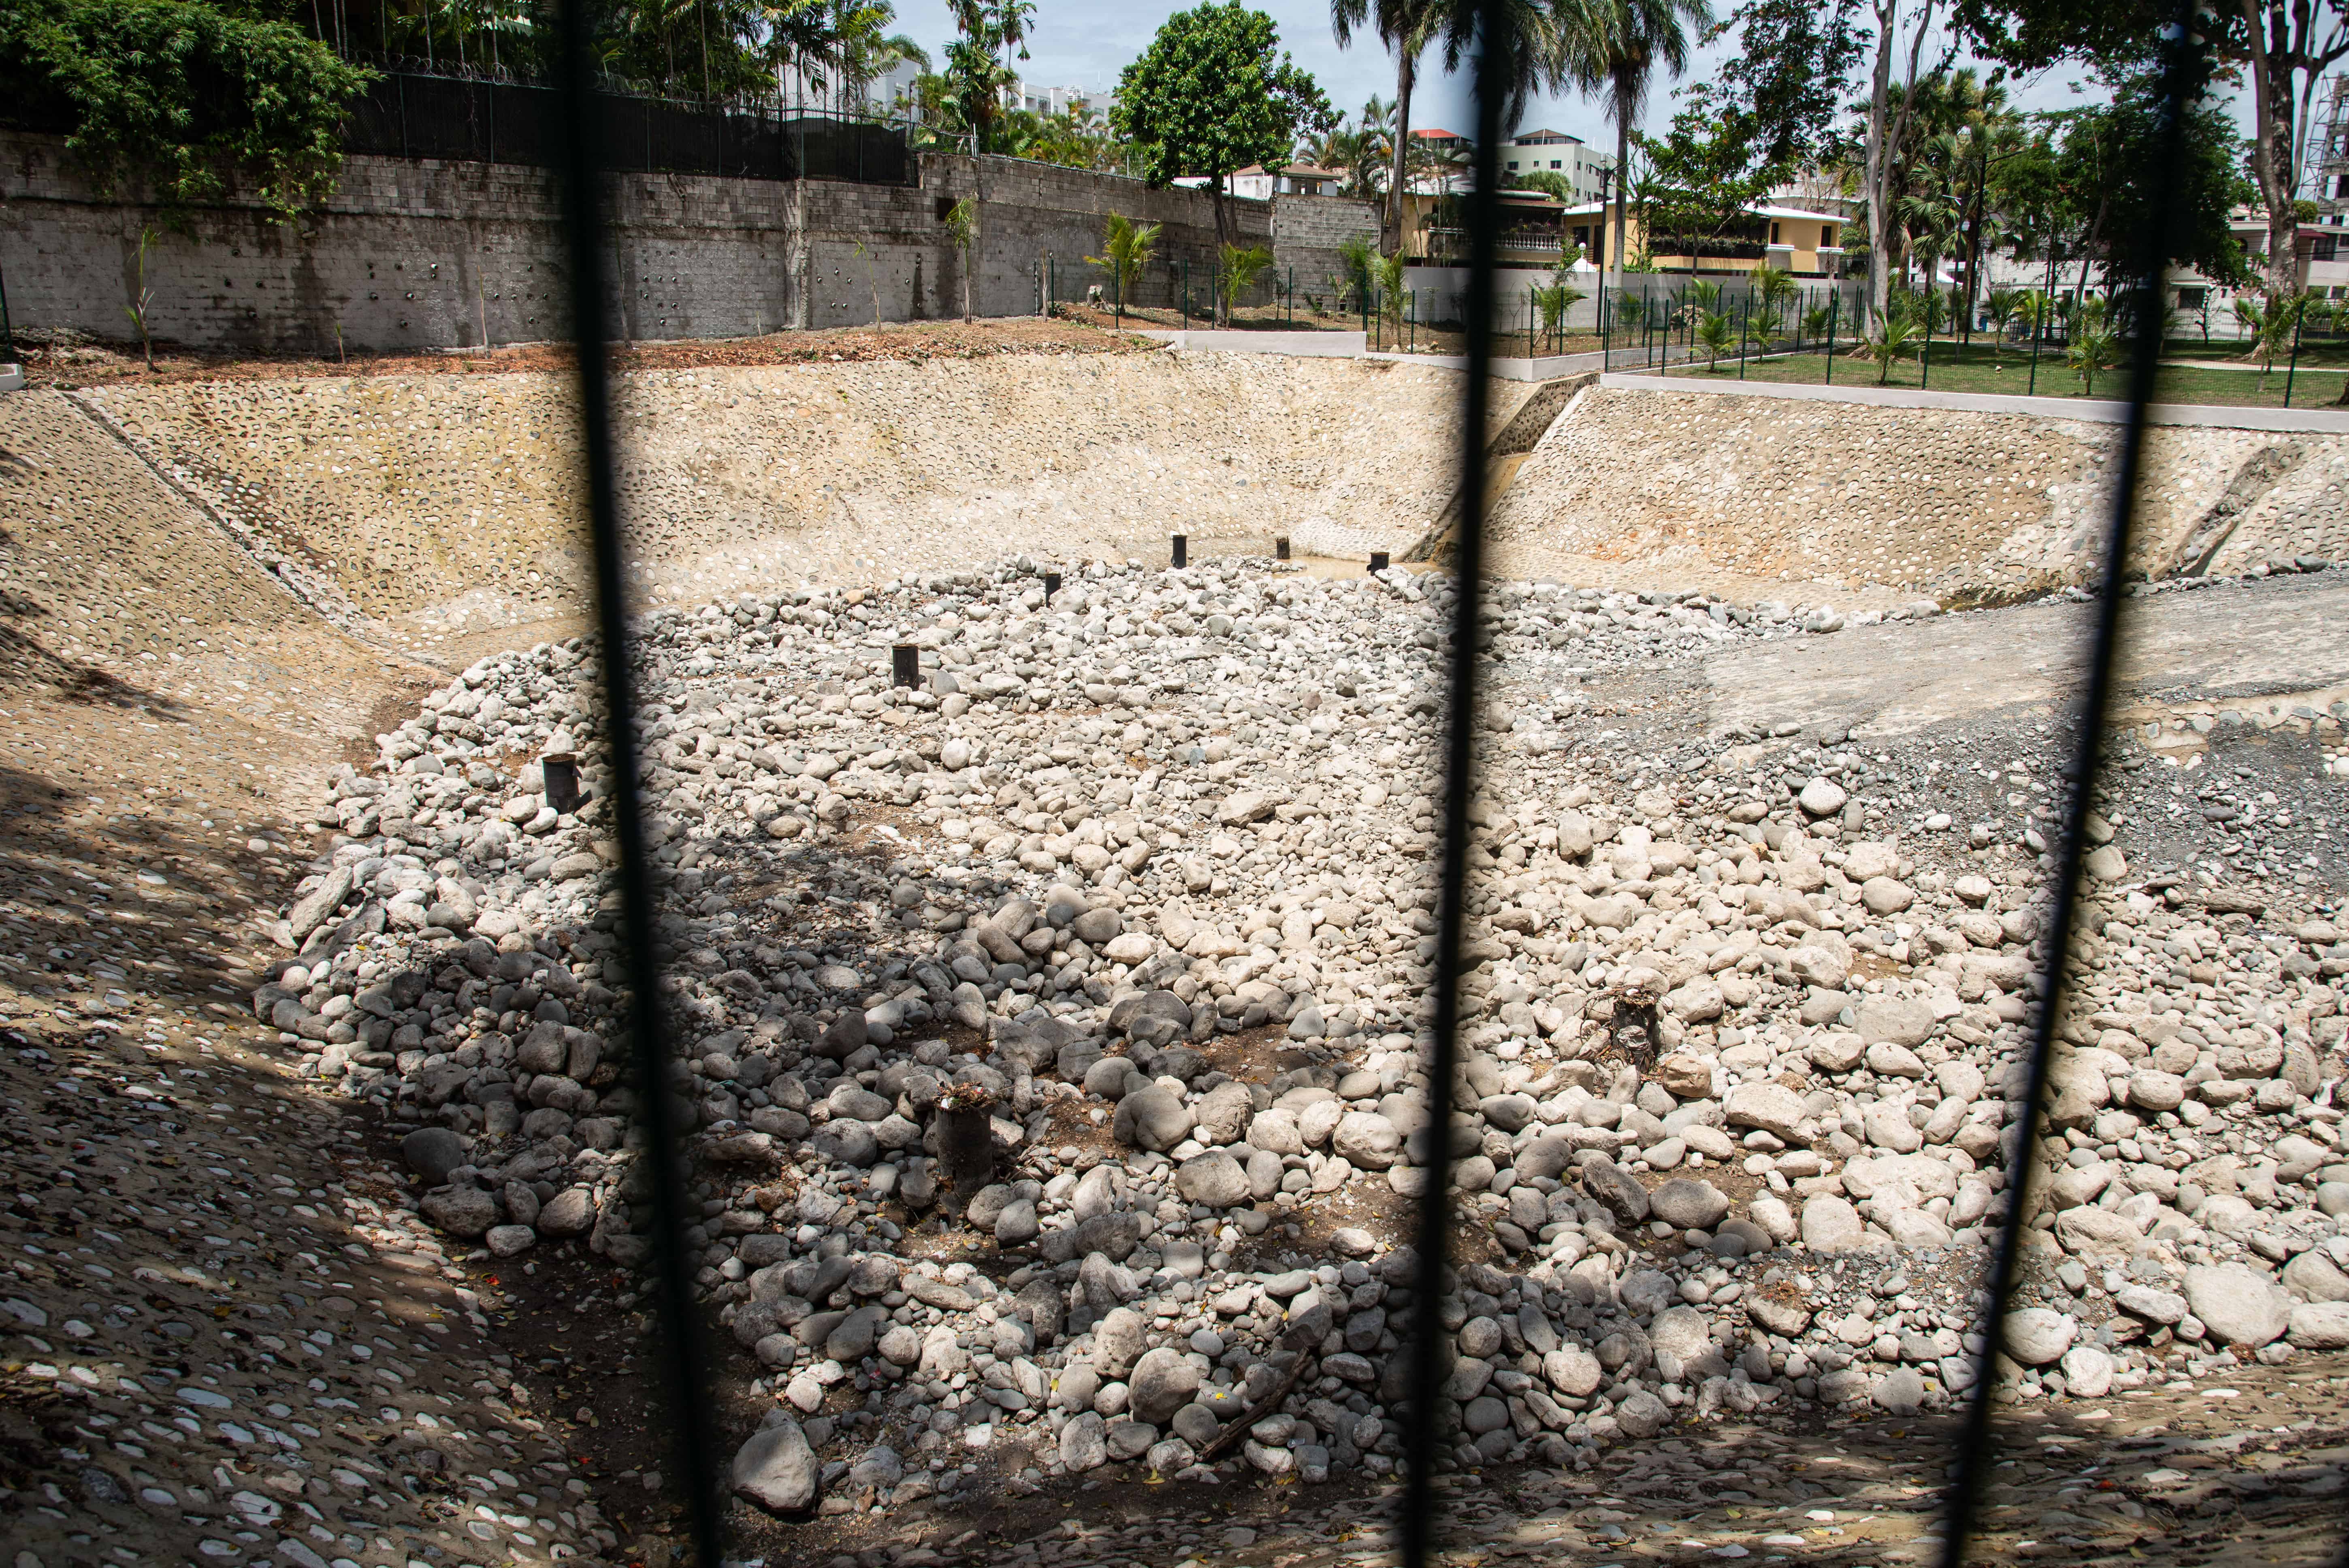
{"x":1975,"y":1455}
{"x":1459,"y":778}
{"x":678,"y":1353}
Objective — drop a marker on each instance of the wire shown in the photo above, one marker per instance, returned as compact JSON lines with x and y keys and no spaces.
{"x":1976,"y":1454}
{"x":693,"y":1447}
{"x":1459,"y":777}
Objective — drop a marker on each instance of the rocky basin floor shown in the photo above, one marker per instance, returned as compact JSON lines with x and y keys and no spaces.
{"x":1049,"y":1043}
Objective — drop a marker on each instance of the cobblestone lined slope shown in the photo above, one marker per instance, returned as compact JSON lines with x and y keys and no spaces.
{"x":439,"y":502}
{"x":1689,"y":489}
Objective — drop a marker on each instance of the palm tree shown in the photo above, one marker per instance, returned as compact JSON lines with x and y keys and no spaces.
{"x":1536,"y":54}
{"x":1126,"y":250}
{"x":2002,"y":302}
{"x":1772,"y":287}
{"x":2096,"y":345}
{"x":1614,"y":47}
{"x":1718,"y":335}
{"x":1893,"y":336}
{"x":1407,"y":27}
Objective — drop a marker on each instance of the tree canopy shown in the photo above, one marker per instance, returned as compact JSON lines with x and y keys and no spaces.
{"x":1213,"y":94}
{"x":179,"y":94}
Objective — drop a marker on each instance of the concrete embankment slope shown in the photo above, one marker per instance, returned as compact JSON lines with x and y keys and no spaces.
{"x":1765,"y":497}
{"x":440,"y":503}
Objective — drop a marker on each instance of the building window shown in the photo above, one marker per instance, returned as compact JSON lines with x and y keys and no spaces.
{"x":1774,"y":233}
{"x":2191,"y":299}
{"x":1554,"y":163}
{"x":1513,"y":163}
{"x":1827,"y":236}
{"x":1582,"y":236}
{"x":2323,"y":248}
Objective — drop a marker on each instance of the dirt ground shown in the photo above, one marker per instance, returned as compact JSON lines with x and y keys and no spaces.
{"x":73,"y":361}
{"x":170,"y":709}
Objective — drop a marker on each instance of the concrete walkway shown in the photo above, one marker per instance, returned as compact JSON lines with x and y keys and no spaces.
{"x":2089,"y":410}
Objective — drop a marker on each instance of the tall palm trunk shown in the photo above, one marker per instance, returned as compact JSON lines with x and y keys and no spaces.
{"x":1623,"y":95}
{"x":1406,"y":71}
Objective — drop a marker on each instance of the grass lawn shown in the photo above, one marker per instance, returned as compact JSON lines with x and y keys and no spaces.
{"x":1977,"y":368}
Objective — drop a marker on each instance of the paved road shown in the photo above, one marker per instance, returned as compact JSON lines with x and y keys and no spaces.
{"x":2287,"y":635}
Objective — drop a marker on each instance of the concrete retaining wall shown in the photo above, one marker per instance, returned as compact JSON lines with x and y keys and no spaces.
{"x":409,"y":255}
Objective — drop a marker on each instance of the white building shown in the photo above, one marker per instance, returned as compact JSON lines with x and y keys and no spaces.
{"x":1262,"y":184}
{"x":1089,"y":103}
{"x":1556,"y":152}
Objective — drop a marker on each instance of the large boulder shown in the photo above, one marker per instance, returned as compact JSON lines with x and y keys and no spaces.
{"x":1774,"y":1108}
{"x":1214,"y":1179}
{"x":1163,"y":1382}
{"x":1689,"y":1204}
{"x":1153,"y":1118}
{"x":2037,"y":1336}
{"x":776,"y":1469}
{"x":1617,"y":1189}
{"x":432,"y":1152}
{"x":2237,"y":1305}
{"x":1831,"y":1225}
{"x":1367,"y":1140}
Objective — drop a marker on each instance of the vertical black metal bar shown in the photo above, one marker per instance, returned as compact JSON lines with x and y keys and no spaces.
{"x":678,"y":1353}
{"x":7,"y":333}
{"x":1975,"y":1454}
{"x":1459,"y":778}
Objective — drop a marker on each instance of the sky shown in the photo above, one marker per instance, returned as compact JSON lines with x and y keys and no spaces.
{"x":1085,"y":44}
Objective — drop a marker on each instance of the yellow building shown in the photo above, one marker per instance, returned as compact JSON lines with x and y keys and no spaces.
{"x":1807,"y":243}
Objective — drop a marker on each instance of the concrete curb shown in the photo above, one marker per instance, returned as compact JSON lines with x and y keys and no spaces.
{"x":12,"y":378}
{"x":1298,"y":345}
{"x":2098,"y":411}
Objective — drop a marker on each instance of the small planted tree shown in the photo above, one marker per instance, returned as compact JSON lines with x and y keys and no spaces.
{"x":1816,"y":320}
{"x":2000,"y":303}
{"x":1718,"y":334}
{"x":1387,"y":277}
{"x":2096,"y":345}
{"x":1126,"y":248}
{"x":1238,"y":269}
{"x":1892,"y":337}
{"x":1554,"y":299}
{"x":143,"y":300}
{"x":1773,"y":289}
{"x":1358,"y":258}
{"x":962,"y":229}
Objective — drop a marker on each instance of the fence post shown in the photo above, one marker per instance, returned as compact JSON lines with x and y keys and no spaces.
{"x":1744,"y":329}
{"x":1606,"y":342}
{"x":1186,"y":294}
{"x":1834,"y":305}
{"x":2298,"y":315}
{"x":1925,"y":360}
{"x":2032,"y":389}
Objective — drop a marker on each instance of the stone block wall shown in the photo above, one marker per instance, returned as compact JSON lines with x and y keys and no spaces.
{"x":417,"y":253}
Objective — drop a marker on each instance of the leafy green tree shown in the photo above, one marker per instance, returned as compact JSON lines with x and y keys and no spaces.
{"x":182,"y":95}
{"x":989,"y":34}
{"x":1127,"y":247}
{"x":1771,"y":114}
{"x":1211,"y":95}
